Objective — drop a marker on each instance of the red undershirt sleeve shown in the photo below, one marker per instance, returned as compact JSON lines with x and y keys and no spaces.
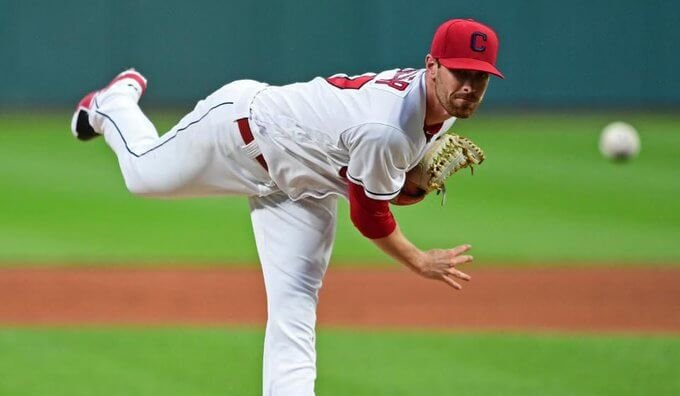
{"x":371,"y":217}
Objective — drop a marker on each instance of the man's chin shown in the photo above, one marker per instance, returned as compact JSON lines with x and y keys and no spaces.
{"x":463,"y":112}
{"x":463,"y":108}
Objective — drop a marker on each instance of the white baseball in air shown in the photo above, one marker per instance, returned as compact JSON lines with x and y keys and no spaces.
{"x":619,"y":141}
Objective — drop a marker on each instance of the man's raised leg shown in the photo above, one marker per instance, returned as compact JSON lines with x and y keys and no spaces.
{"x":202,"y":155}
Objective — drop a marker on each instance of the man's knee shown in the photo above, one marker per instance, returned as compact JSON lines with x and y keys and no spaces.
{"x":153,"y":189}
{"x":293,"y":324}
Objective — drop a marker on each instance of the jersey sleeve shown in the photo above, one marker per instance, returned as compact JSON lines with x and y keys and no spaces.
{"x":371,"y":217}
{"x":379,"y":156}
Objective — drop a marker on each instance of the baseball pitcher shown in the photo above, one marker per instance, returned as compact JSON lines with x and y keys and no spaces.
{"x":374,"y":139}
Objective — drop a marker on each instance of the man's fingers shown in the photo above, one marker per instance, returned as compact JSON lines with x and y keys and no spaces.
{"x":461,"y":260}
{"x":451,"y":282}
{"x":460,"y":249}
{"x":459,"y":274}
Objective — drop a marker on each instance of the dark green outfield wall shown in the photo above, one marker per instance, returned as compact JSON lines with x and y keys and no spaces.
{"x":553,"y":53}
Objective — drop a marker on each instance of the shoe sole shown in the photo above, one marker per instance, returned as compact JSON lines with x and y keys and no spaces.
{"x":80,"y":125}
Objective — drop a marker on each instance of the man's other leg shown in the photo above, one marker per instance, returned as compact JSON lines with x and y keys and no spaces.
{"x":294,"y":242}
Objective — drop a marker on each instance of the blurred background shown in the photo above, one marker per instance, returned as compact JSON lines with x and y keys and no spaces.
{"x":587,"y":54}
{"x":545,"y":198}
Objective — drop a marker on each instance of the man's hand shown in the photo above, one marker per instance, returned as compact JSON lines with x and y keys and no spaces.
{"x":441,"y":264}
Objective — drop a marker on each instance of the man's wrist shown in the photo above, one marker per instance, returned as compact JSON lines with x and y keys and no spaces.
{"x":416,"y":260}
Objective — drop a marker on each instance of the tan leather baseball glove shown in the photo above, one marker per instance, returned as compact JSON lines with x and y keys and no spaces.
{"x":446,"y":156}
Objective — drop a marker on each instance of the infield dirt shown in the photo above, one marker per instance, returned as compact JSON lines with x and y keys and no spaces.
{"x":564,"y":299}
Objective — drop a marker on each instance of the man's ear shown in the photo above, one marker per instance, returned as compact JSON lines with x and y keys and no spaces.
{"x":431,"y":66}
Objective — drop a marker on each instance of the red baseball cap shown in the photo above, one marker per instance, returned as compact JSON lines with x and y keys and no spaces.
{"x":466,"y":44}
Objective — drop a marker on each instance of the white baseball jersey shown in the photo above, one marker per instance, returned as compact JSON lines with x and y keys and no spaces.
{"x":371,"y":125}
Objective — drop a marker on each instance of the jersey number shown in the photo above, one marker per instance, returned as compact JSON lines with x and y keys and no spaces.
{"x":400,"y":81}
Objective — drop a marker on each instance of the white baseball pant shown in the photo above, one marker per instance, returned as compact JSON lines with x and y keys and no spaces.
{"x":204,"y":154}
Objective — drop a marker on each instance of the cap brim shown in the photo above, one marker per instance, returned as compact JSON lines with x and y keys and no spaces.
{"x":471,"y":64}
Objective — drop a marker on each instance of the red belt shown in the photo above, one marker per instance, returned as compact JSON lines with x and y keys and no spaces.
{"x":247,"y":135}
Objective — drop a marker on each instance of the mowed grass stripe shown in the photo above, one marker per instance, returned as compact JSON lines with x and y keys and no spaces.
{"x":544,"y":195}
{"x":191,"y":361}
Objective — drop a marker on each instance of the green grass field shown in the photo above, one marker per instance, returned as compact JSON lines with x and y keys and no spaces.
{"x":205,"y":362}
{"x":544,"y":195}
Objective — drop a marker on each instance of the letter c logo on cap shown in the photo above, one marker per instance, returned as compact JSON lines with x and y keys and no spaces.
{"x":474,"y":42}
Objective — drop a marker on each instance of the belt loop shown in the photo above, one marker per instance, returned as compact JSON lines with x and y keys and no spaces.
{"x":247,"y":136}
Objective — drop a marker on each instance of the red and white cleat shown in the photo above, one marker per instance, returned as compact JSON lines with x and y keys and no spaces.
{"x":80,"y":122}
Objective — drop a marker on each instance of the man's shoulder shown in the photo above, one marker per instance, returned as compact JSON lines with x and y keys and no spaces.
{"x":399,"y":82}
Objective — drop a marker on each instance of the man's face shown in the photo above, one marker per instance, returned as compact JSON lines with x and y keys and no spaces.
{"x":460,"y":91}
